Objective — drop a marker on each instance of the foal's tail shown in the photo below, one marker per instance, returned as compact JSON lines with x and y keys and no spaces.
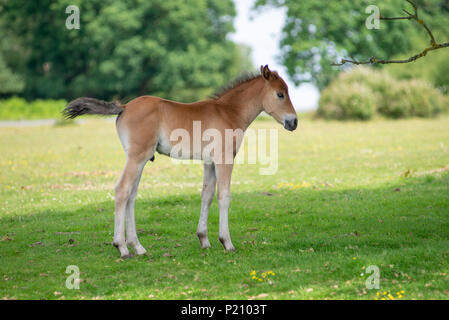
{"x":82,"y":106}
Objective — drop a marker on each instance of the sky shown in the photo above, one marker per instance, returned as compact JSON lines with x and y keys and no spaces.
{"x":261,"y":30}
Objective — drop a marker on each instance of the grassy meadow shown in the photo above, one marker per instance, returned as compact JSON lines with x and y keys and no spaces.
{"x":345,"y":196}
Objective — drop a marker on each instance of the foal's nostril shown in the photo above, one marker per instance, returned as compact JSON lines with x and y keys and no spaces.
{"x":291,"y":124}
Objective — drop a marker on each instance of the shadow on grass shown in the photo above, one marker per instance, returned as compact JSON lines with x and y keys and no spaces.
{"x":318,"y":238}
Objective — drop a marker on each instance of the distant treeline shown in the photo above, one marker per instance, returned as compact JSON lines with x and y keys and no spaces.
{"x":123,"y":49}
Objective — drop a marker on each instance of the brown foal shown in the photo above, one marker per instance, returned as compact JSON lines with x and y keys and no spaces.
{"x":146,"y":125}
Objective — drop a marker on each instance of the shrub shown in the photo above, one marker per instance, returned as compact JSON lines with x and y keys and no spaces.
{"x":17,"y":108}
{"x":393,"y":102}
{"x":355,"y":101}
{"x":393,"y":98}
{"x":425,"y":100}
{"x":411,"y":98}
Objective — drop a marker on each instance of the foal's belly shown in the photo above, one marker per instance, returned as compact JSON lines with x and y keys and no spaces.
{"x":181,"y":151}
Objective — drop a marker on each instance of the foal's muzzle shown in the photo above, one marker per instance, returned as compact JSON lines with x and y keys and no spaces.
{"x":290,"y":123}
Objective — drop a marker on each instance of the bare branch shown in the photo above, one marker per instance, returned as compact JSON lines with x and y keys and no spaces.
{"x":433,"y":44}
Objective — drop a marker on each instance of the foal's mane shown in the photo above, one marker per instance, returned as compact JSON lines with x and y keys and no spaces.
{"x":242,"y":79}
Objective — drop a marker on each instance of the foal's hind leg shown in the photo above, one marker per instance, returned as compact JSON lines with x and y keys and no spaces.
{"x":224,"y":172}
{"x":131,"y":234}
{"x":123,"y":192}
{"x":207,"y":195}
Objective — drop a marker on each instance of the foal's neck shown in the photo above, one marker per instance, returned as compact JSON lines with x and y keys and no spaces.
{"x":245,"y":101}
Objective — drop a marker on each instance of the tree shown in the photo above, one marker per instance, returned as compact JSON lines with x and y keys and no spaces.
{"x":123,"y":48}
{"x":10,"y":83}
{"x":318,"y":33}
{"x":433,"y":44}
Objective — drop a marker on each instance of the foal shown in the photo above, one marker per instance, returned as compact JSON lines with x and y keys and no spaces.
{"x":146,"y":125}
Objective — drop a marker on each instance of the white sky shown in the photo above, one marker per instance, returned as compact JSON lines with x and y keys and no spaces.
{"x":261,"y":31}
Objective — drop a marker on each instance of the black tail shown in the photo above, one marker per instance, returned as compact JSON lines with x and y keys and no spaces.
{"x":82,"y":106}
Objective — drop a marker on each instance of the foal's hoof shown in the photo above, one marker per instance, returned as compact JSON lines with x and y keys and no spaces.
{"x":205,"y":244}
{"x":227,"y":244}
{"x":140,"y":251}
{"x":124,"y":253}
{"x":204,"y":240}
{"x":137,"y":247}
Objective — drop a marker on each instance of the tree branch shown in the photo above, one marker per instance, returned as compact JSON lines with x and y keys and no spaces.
{"x":415,"y":16}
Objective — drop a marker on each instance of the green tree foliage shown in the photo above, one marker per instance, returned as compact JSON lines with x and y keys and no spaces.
{"x":433,"y":69}
{"x":318,"y":33}
{"x":178,"y":49}
{"x":10,"y":83}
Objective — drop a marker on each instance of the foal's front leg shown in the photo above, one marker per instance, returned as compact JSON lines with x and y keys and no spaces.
{"x":224,"y":172}
{"x":207,"y":195}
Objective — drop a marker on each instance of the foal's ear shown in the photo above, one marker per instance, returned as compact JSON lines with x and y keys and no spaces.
{"x":265,"y":71}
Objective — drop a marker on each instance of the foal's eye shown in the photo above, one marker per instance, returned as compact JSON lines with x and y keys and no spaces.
{"x":280,"y":95}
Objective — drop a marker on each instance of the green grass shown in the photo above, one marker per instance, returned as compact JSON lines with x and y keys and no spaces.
{"x":346,"y":196}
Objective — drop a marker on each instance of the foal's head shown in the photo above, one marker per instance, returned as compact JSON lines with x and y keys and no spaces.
{"x":276,"y":101}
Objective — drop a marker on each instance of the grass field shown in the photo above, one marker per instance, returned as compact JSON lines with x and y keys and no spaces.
{"x":346,"y":196}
